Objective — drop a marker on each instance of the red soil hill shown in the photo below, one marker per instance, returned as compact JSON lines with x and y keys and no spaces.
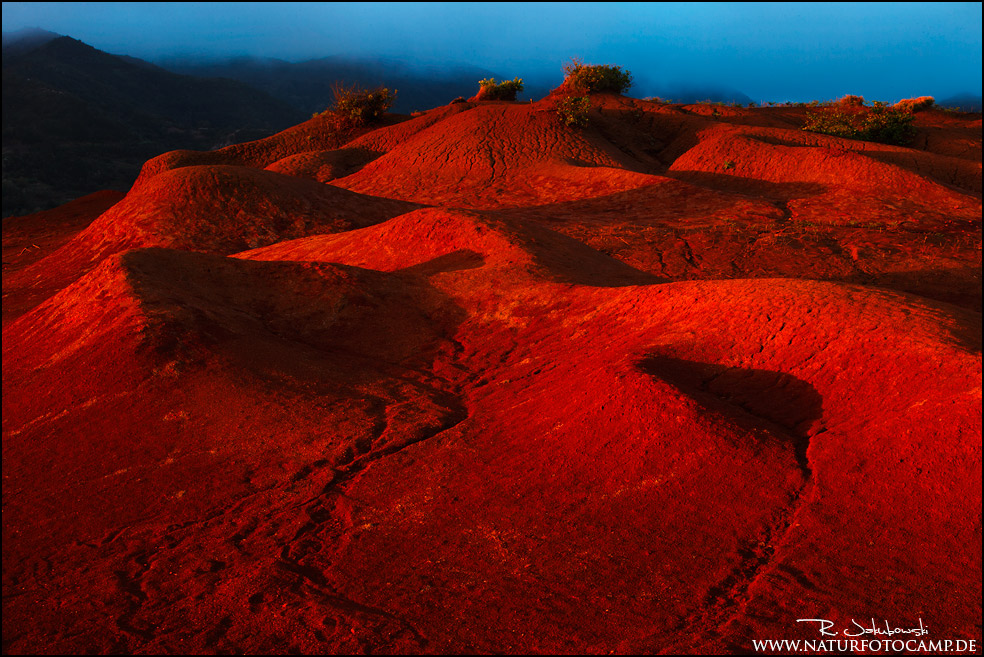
{"x":216,"y":208}
{"x":609,"y":406}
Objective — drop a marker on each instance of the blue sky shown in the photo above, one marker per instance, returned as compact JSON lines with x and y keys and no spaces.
{"x":769,"y":51}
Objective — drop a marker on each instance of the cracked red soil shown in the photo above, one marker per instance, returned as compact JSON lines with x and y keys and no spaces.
{"x":476,"y":382}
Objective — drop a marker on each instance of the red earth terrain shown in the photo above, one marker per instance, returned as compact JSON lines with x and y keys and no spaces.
{"x":476,"y":382}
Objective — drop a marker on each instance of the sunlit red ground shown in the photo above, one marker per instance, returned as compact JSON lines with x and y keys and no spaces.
{"x":477,"y":382}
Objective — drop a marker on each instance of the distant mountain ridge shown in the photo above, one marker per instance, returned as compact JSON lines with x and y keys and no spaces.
{"x":77,"y":120}
{"x":964,"y":102}
{"x":123,"y":88}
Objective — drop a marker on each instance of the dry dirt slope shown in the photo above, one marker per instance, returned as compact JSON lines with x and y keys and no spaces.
{"x":482,"y":383}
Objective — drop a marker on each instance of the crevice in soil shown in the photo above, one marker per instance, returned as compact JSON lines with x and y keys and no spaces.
{"x":329,"y":513}
{"x":788,"y":409}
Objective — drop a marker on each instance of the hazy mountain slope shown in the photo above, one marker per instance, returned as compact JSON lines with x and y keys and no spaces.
{"x":76,"y":119}
{"x":19,"y":42}
{"x":964,"y":102}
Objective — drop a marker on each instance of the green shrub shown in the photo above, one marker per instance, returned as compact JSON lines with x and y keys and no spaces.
{"x":361,"y":106}
{"x":889,"y":126}
{"x":585,"y":79}
{"x":573,"y":111}
{"x":881,"y":124}
{"x":489,"y":89}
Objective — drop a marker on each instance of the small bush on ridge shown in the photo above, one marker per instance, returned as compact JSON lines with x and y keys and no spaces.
{"x":850,"y":101}
{"x":573,"y":111}
{"x":489,"y":89}
{"x":881,"y":124}
{"x":915,"y":104}
{"x":586,"y":79}
{"x":361,"y":106}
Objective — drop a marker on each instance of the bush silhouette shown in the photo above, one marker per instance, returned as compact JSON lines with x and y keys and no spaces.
{"x":587,"y":79}
{"x":361,"y":106}
{"x":489,"y":89}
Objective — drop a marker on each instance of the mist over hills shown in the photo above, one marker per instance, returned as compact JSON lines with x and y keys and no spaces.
{"x":78,"y":120}
{"x":962,"y":102}
{"x":308,"y":85}
{"x":21,"y":41}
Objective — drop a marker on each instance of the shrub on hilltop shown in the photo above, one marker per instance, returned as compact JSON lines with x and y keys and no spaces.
{"x":355,"y":106}
{"x":886,"y":125}
{"x":915,"y":104}
{"x":489,"y":89}
{"x":850,"y":101}
{"x":587,"y":79}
